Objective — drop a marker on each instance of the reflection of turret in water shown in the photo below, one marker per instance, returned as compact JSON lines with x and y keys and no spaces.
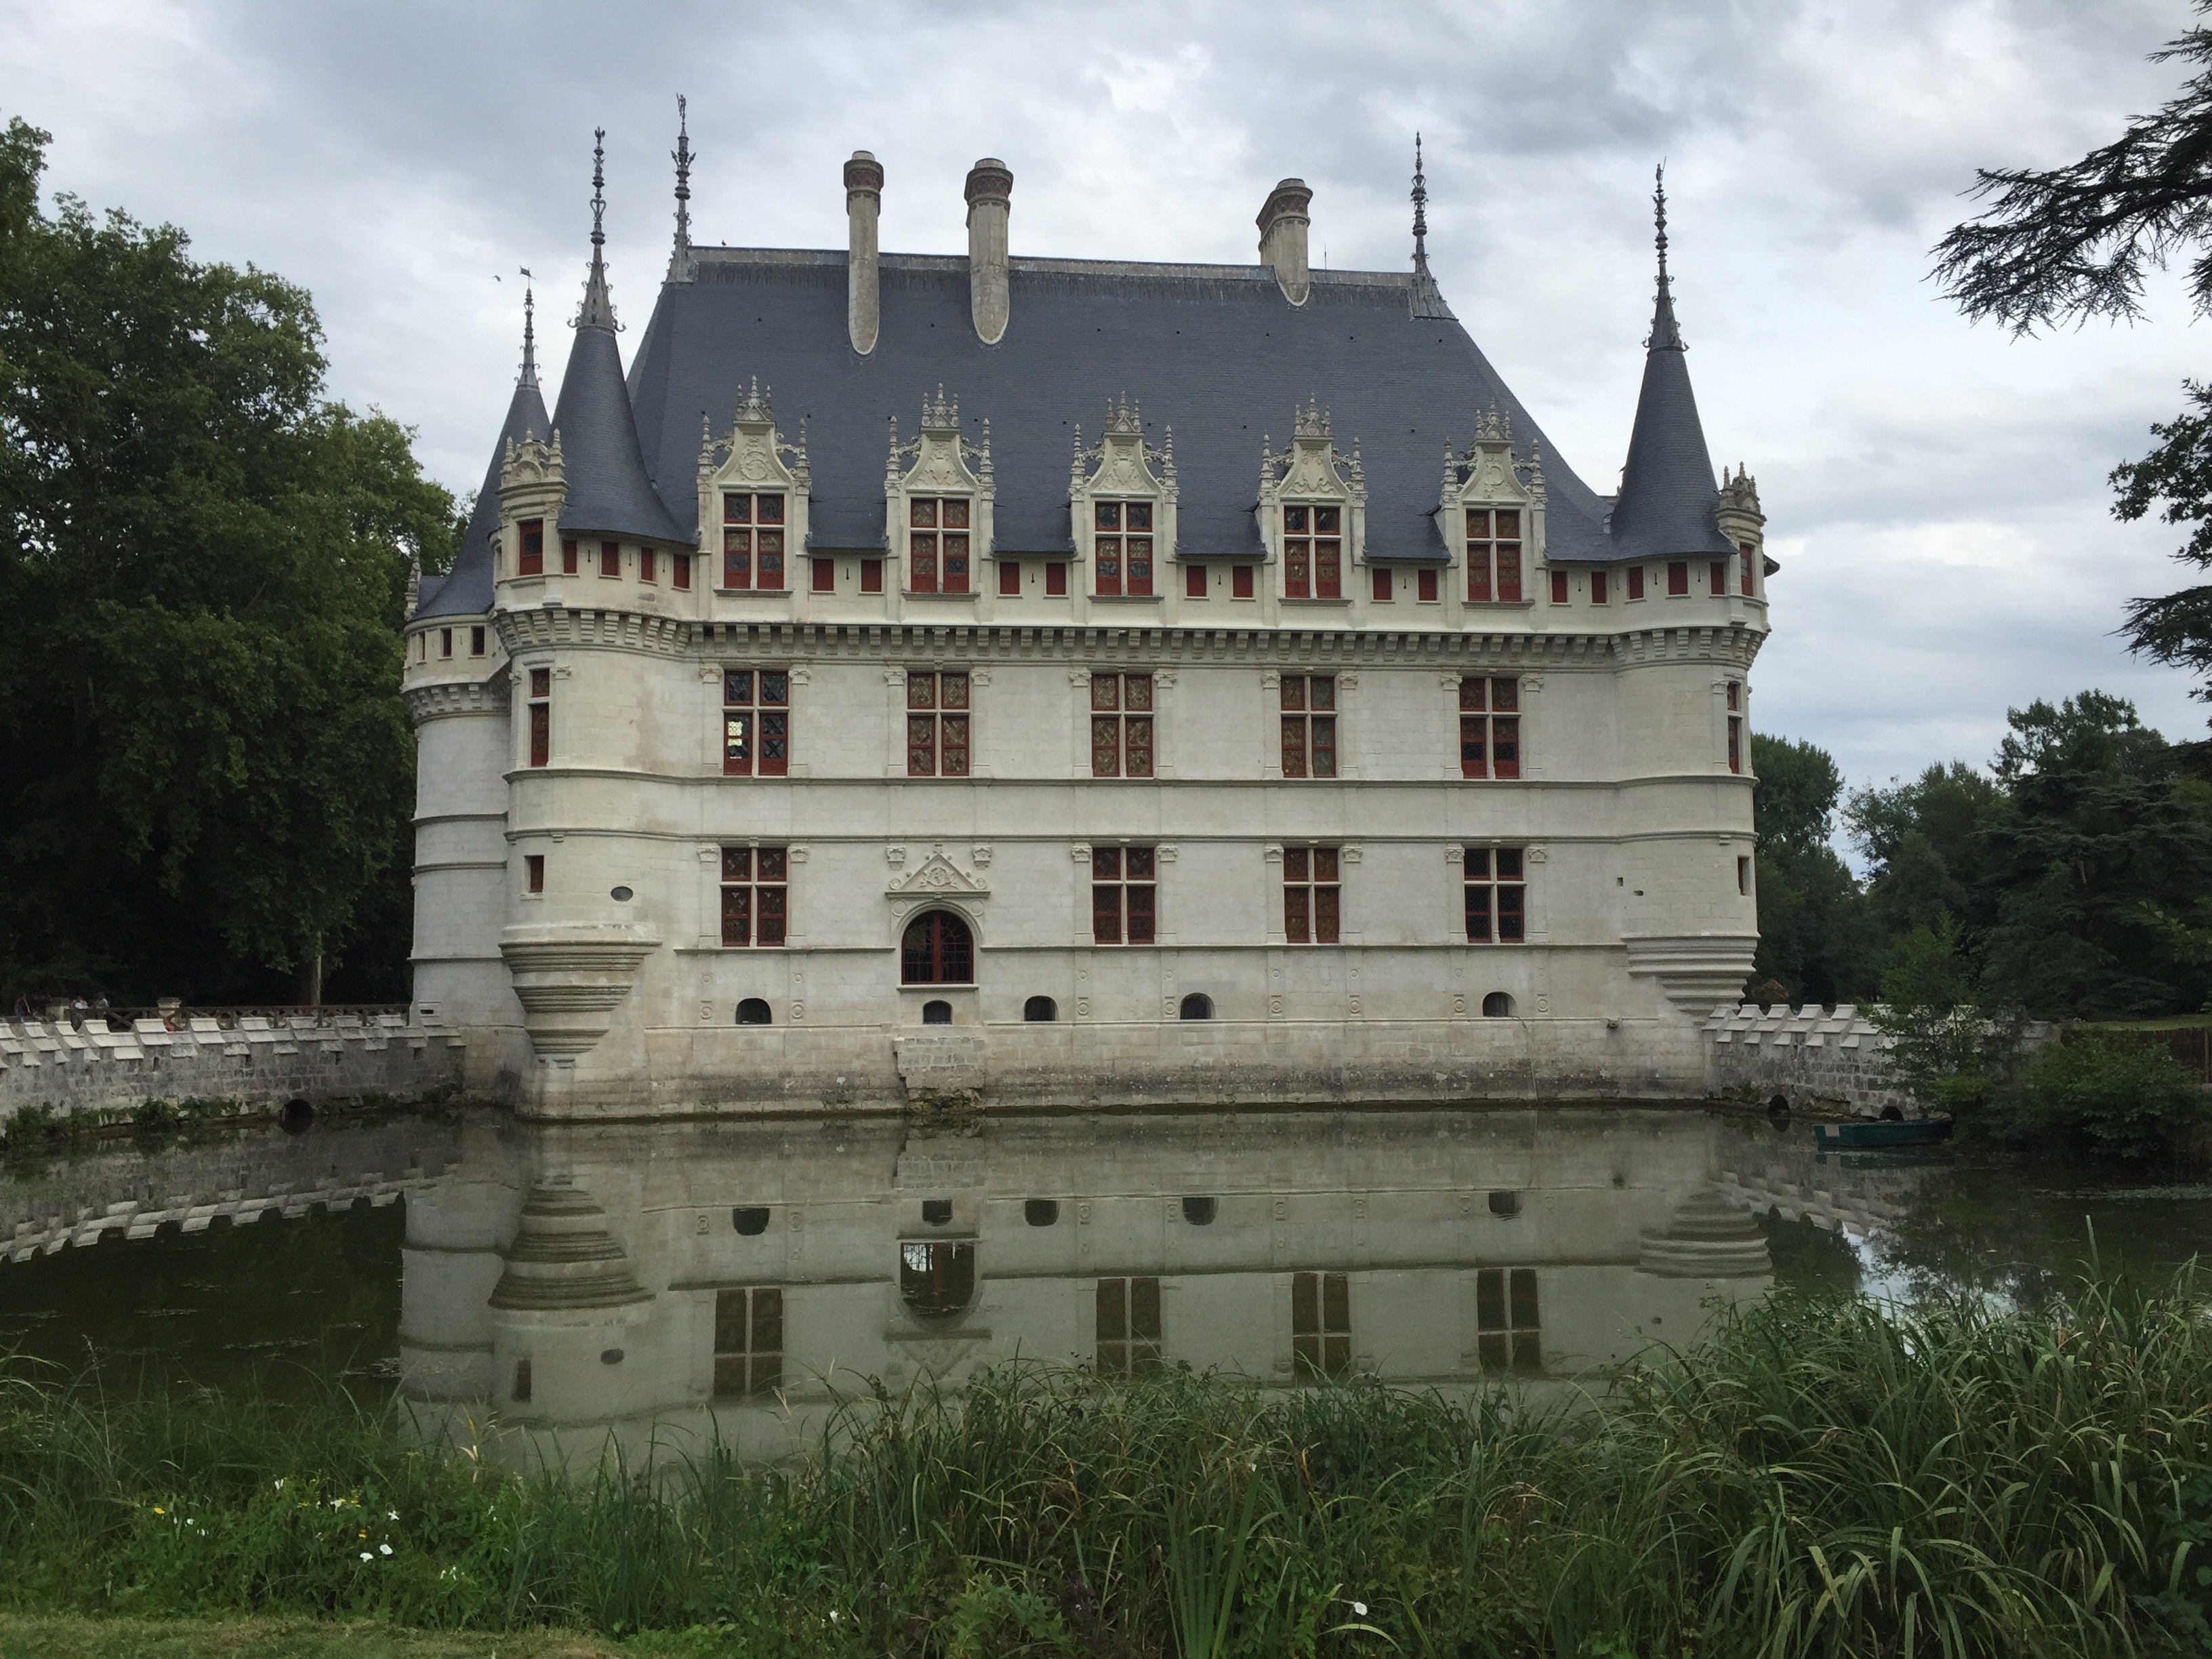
{"x":742,"y":1273}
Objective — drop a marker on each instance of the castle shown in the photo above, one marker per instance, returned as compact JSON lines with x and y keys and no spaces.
{"x":927,"y":678}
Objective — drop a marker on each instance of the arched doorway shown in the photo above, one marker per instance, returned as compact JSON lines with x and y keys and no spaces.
{"x":938,"y":950}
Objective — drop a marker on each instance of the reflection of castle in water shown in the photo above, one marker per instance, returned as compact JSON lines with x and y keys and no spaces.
{"x":571,"y":1277}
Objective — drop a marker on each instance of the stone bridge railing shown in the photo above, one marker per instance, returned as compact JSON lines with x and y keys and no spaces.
{"x":258,"y":1060}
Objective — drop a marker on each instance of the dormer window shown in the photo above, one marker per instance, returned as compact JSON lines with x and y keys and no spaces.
{"x":937,"y":547}
{"x":1313,"y":552}
{"x":531,"y":562}
{"x":1122,"y":547}
{"x":752,"y":542}
{"x":1493,"y":556}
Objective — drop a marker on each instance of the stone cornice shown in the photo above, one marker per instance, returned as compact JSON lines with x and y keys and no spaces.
{"x":1731,"y":643}
{"x":453,"y":697}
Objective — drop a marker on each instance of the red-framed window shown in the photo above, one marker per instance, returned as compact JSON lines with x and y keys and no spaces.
{"x":1241,"y":585}
{"x":1056,"y":580}
{"x":1121,"y":726}
{"x":1636,"y":581}
{"x":534,"y":872}
{"x":1321,"y":1324}
{"x":1193,"y":581}
{"x":756,"y":722}
{"x":1597,"y":587}
{"x":748,"y":1341}
{"x":756,"y":896}
{"x":680,"y":573}
{"x":937,"y":949}
{"x":1427,"y":591}
{"x":872,"y":576}
{"x":822,"y":575}
{"x":1123,"y":886}
{"x":1121,"y":548}
{"x":936,"y":723}
{"x":752,"y":542}
{"x":611,"y":558}
{"x":541,"y":717}
{"x":1489,"y":728}
{"x":1309,"y":725}
{"x":1010,"y":579}
{"x":568,"y":555}
{"x":1497,"y":896}
{"x":1717,"y":575}
{"x":1313,"y":552}
{"x":1311,"y":910}
{"x":1735,"y":726}
{"x":1493,"y":556}
{"x":1381,"y":584}
{"x":476,"y":641}
{"x":936,"y":545}
{"x":1559,"y":587}
{"x":1743,"y":569}
{"x":649,"y":565}
{"x":1678,"y":578}
{"x":1129,"y":1327}
{"x":530,"y":560}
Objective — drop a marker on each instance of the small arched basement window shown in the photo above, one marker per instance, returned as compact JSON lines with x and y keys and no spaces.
{"x":937,"y":1012}
{"x":1199,"y":1212}
{"x":937,"y":949}
{"x":1198,"y":1005}
{"x":1498,"y":1005}
{"x":753,"y":1010}
{"x":1040,"y":1011}
{"x":937,"y":1276}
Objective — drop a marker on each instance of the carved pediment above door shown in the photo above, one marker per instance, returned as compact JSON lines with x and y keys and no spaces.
{"x":938,"y":875}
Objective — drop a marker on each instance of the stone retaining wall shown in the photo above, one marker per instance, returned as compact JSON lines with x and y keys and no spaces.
{"x":1811,"y":1058}
{"x":259,"y":1062}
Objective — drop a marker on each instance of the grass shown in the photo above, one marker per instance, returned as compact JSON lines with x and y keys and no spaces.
{"x":1826,"y":1478}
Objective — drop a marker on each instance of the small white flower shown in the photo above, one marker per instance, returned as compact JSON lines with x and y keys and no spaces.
{"x":833,"y":1615}
{"x":280,"y":1483}
{"x":1359,"y":1609}
{"x":366,"y":1556}
{"x":393,"y":1513}
{"x":385,"y":1548}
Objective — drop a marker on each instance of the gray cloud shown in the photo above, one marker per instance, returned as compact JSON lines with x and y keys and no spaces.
{"x":1937,"y":492}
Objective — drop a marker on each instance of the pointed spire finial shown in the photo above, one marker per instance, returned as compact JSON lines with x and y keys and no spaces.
{"x":1426,"y":300}
{"x":1665,"y":335}
{"x":529,"y":375}
{"x":598,"y":308}
{"x":679,"y":263}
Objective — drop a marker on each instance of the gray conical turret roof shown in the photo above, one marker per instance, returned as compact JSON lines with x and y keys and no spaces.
{"x":467,"y":591}
{"x":1668,"y":501}
{"x":609,"y":491}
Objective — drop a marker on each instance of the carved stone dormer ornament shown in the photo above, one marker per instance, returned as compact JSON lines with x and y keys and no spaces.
{"x":1487,"y":476}
{"x":1740,"y":520}
{"x":533,"y":483}
{"x":938,"y":877}
{"x":1313,"y":507}
{"x":751,"y":461}
{"x":938,"y":490}
{"x":1122,"y":505}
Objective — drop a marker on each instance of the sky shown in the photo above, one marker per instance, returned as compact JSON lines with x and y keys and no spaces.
{"x":1935,"y":491}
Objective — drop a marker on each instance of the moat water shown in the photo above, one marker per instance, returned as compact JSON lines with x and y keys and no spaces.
{"x":278,"y":1260}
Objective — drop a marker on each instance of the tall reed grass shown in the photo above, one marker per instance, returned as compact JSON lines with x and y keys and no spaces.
{"x":1824,"y":1477}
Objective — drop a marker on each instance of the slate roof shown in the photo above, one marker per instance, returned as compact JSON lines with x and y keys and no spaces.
{"x":609,"y":491}
{"x":467,"y":590}
{"x":1668,"y":501}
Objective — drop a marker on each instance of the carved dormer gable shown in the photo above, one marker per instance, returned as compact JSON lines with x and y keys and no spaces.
{"x":1312,"y":507}
{"x":1486,"y":476}
{"x":938,"y":490}
{"x":737,"y":470}
{"x":1122,"y":504}
{"x":533,"y":483}
{"x":937,"y":876}
{"x":1740,"y":520}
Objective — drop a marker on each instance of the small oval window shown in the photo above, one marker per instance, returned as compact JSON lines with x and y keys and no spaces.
{"x":750,"y":1219}
{"x":1040,"y":1211}
{"x":1506,"y":1204}
{"x":1199,"y":1212}
{"x":621,"y":896}
{"x":937,"y":1276}
{"x":937,"y":1211}
{"x":1198,"y":1005}
{"x":937,"y":1013}
{"x":1498,"y":1005}
{"x":611,"y":1356}
{"x":753,"y":1010}
{"x":1040,"y":1011}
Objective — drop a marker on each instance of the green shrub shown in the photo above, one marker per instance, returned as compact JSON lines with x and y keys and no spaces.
{"x":2128,"y":1097}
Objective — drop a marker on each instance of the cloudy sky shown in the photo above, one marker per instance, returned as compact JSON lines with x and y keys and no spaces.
{"x":1935,"y":492}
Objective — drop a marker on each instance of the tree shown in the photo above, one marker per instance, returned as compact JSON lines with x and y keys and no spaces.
{"x":2073,"y":243}
{"x":1813,"y":940}
{"x":206,"y":771}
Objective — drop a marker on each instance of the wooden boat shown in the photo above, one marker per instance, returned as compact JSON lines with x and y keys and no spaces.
{"x":1893,"y":1131}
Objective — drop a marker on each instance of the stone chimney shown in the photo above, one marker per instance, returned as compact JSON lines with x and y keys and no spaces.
{"x":1283,"y":224}
{"x":864,"y":201}
{"x":990,"y":191}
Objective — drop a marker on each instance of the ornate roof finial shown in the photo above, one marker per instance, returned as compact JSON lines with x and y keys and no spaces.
{"x":1426,"y":300}
{"x":1665,"y":335}
{"x":529,"y":375}
{"x":598,"y":311}
{"x":679,"y":263}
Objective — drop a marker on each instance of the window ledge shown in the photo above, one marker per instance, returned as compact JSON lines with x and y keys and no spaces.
{"x":1128,"y":599}
{"x":1498,"y":604}
{"x":752,"y":593}
{"x":1340,"y":604}
{"x":910,"y":594}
